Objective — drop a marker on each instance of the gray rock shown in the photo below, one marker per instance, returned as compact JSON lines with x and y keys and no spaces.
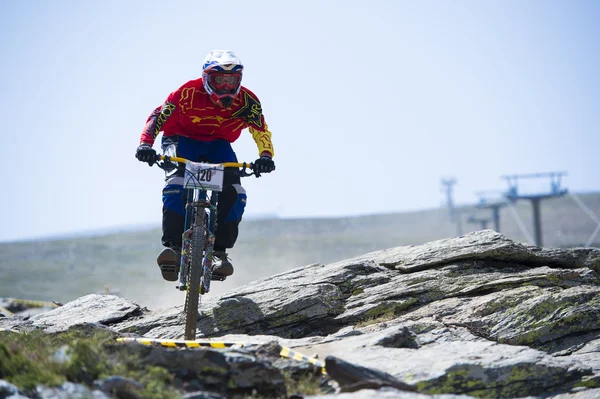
{"x":398,"y":337}
{"x":387,"y":393}
{"x":352,"y":378}
{"x":587,"y":394}
{"x":69,"y":390}
{"x":203,"y":395}
{"x":482,"y":245}
{"x":94,"y":308}
{"x":120,"y":387}
{"x":62,"y":355}
{"x":9,"y":391}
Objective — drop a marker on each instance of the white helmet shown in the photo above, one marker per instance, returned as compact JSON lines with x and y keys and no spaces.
{"x":222,"y":76}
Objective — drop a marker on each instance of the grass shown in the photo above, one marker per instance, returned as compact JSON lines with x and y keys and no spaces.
{"x":27,"y":360}
{"x":78,"y":356}
{"x":307,"y":384}
{"x":377,"y":319}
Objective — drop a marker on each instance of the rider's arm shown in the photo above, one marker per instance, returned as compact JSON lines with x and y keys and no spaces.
{"x":160,"y":119}
{"x":262,"y":140}
{"x":251,"y":112}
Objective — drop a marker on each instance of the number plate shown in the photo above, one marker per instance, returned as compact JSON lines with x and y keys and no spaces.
{"x":204,"y":176}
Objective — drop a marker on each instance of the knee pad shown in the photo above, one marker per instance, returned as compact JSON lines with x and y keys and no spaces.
{"x":236,"y":212}
{"x":172,"y":195}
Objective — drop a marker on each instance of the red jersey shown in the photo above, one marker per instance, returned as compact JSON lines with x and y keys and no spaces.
{"x":190,"y":112}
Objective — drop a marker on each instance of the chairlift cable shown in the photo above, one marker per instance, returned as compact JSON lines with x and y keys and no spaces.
{"x":592,"y":215}
{"x":520,"y":223}
{"x":593,"y":237}
{"x":585,"y":208}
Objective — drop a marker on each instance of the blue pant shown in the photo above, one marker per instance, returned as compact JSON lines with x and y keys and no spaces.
{"x":232,"y":200}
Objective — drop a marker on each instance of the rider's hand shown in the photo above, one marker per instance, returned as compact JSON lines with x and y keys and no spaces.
{"x":264,"y":164}
{"x":145,"y":153}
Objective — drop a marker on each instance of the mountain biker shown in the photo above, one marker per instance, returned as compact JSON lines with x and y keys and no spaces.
{"x":199,"y":121}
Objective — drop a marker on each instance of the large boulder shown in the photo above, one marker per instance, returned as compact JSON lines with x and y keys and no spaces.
{"x":478,"y":315}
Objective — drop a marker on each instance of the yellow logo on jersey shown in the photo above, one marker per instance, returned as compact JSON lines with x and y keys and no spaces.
{"x":251,"y":111}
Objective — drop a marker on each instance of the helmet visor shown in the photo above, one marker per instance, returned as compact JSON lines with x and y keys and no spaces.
{"x":224,"y":83}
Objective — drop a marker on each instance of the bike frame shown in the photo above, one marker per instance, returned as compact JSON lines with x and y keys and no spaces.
{"x":199,"y":201}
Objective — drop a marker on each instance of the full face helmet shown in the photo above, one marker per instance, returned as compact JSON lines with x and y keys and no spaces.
{"x":222,"y":76}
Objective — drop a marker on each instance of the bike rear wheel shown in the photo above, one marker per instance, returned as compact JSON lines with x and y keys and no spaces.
{"x":192,"y":298}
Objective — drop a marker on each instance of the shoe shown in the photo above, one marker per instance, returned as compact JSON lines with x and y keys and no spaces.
{"x":168,"y":261}
{"x":223,"y":266}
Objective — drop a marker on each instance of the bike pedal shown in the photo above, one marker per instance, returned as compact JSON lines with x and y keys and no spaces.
{"x":217,"y":277}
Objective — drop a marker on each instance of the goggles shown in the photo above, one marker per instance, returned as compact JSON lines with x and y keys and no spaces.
{"x":224,"y":83}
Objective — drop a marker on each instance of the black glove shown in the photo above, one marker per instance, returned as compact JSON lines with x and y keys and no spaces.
{"x":145,"y":153}
{"x":263,"y":164}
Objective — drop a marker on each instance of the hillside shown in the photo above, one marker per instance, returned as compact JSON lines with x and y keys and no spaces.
{"x":124,"y":263}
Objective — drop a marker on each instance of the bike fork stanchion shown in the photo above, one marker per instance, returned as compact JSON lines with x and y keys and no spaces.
{"x":210,"y":241}
{"x":213,"y":211}
{"x":184,"y":262}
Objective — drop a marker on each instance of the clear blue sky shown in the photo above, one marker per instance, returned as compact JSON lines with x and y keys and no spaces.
{"x":370,"y":103}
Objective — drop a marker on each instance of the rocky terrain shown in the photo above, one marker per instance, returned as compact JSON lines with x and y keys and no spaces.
{"x":124,"y":262}
{"x":478,"y":315}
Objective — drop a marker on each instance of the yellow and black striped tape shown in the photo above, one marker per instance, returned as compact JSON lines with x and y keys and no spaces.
{"x":171,"y":343}
{"x":35,"y":304}
{"x":290,"y":354}
{"x":5,"y":311}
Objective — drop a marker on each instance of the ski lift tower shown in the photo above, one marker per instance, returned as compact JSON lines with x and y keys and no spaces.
{"x":483,"y":222}
{"x":493,"y":200}
{"x":555,"y":191}
{"x":448,"y":186}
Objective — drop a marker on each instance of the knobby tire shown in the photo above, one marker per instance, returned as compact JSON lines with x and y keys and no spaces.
{"x":195,"y":278}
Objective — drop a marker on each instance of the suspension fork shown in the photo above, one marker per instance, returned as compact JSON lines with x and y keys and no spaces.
{"x":191,"y":197}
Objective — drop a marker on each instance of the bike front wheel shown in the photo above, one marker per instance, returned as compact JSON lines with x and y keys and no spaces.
{"x":192,"y":298}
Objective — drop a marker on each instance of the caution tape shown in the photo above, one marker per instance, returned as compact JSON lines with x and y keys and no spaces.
{"x":290,"y":354}
{"x":5,"y":311}
{"x":34,"y":304}
{"x":172,"y":343}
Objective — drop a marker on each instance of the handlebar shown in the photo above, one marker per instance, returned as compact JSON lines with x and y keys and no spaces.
{"x":244,"y":165}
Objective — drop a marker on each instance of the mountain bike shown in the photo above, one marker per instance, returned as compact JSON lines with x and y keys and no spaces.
{"x":202,"y":184}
